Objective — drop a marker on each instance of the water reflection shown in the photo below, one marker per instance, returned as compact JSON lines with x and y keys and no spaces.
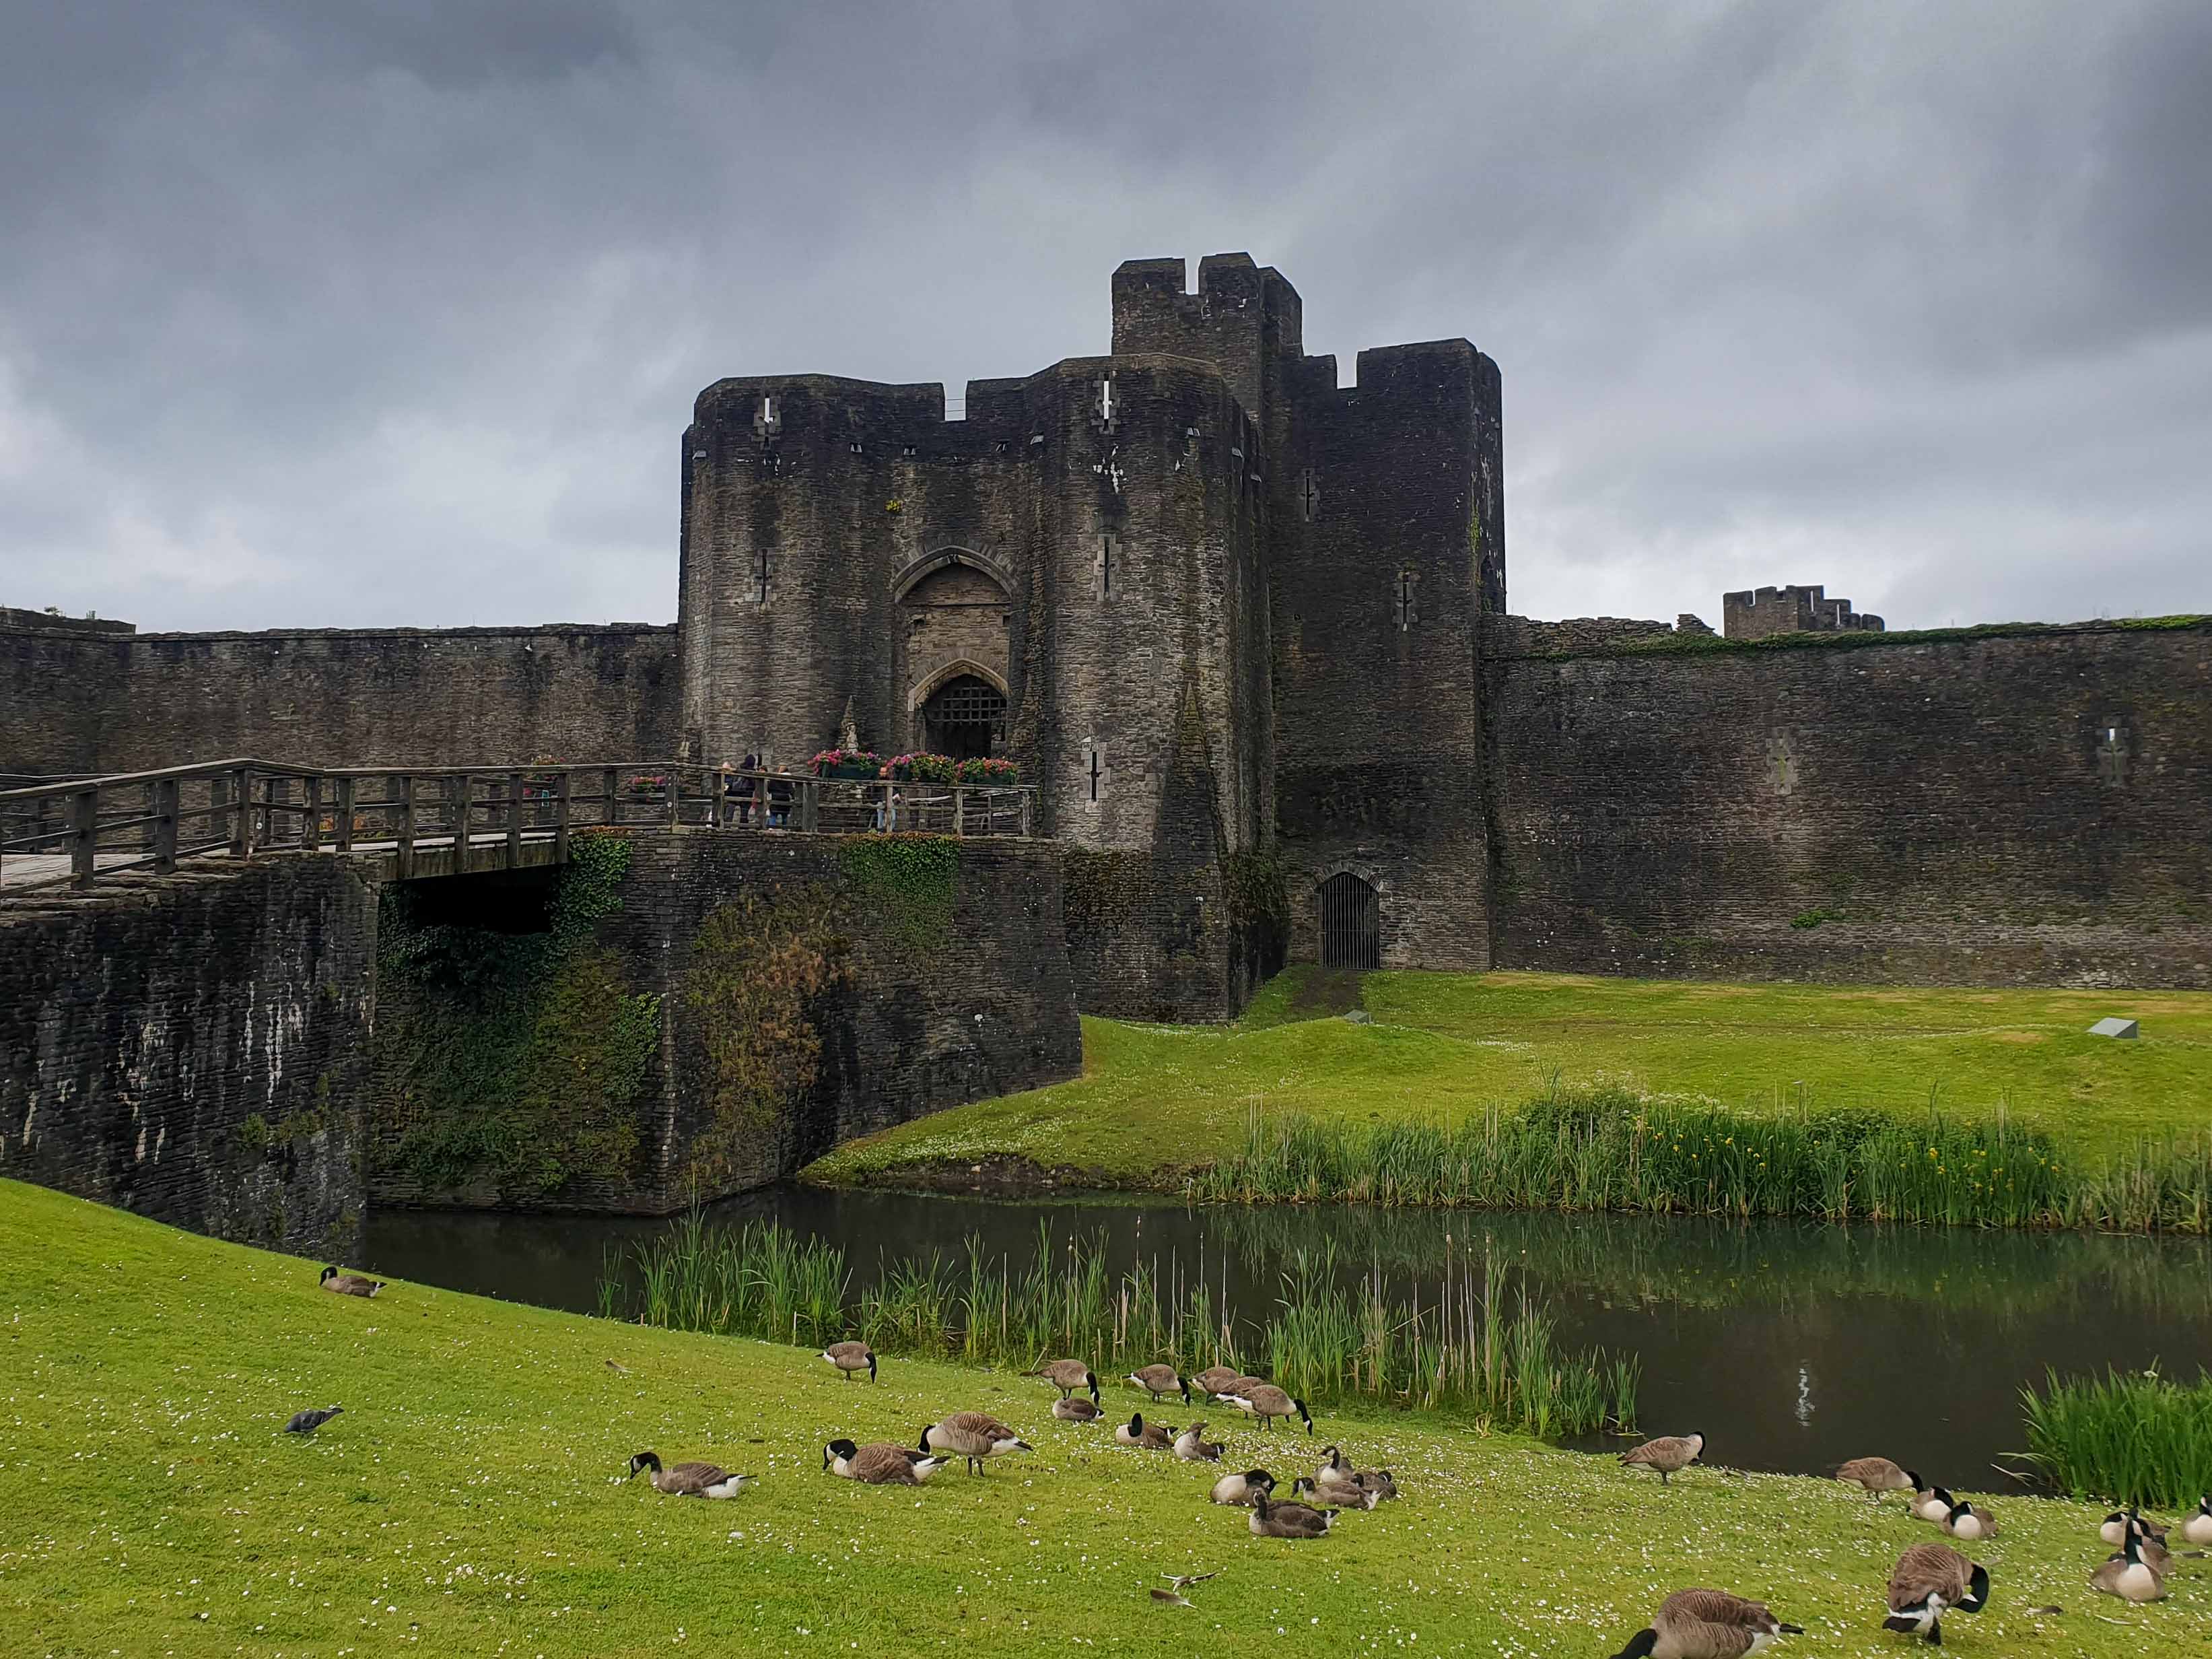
{"x":1794,"y":1346}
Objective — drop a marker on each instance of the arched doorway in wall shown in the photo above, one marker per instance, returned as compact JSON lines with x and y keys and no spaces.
{"x":1351,"y":923}
{"x":965,"y":717}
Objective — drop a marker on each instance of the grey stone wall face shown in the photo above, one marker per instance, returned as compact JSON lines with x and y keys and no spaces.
{"x":193,"y":1048}
{"x":77,"y":703}
{"x":2025,"y":809}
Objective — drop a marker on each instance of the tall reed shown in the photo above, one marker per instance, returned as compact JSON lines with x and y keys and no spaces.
{"x":1608,"y":1149}
{"x":2128,"y":1437}
{"x":1481,"y":1348}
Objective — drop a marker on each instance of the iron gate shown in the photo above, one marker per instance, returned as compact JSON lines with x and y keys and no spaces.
{"x":1351,"y":923}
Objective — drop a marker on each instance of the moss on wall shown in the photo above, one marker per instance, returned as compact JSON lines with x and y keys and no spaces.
{"x":516,"y":1060}
{"x":905,"y":883}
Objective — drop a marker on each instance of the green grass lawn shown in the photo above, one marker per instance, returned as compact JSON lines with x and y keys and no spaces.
{"x":1155,"y":1100}
{"x":468,"y":1501}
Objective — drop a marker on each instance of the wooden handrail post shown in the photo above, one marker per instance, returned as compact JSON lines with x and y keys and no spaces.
{"x":314,"y":834}
{"x":675,"y":788}
{"x":165,"y":825}
{"x":242,"y":812}
{"x":959,"y":810}
{"x":406,"y":782}
{"x":84,"y":836}
{"x":514,"y":819}
{"x":345,"y":816}
{"x":1027,"y":799}
{"x":613,"y":810}
{"x":560,"y":791}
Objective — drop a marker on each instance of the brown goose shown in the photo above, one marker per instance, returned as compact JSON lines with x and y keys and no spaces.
{"x":1267,"y":1402}
{"x":1970,"y":1522}
{"x":851,"y":1358}
{"x":1877,"y":1475}
{"x":973,"y":1435}
{"x":350,"y":1284}
{"x":1243,"y":1488}
{"x":1193,"y":1447}
{"x":1273,"y":1520}
{"x":2129,"y":1576}
{"x":2120,"y":1523}
{"x":1338,"y":1482}
{"x":1157,"y":1380}
{"x":1933,"y":1503}
{"x":1334,"y":1497}
{"x":1928,"y":1581}
{"x":1671,"y":1454}
{"x":1216,"y":1379}
{"x":880,"y":1463}
{"x":689,"y":1480}
{"x":1144,"y":1436}
{"x":1068,"y":1376}
{"x":1707,"y":1624}
{"x":1077,"y":1411}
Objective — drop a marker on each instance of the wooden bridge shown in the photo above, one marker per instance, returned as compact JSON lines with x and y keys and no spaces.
{"x":420,"y":822}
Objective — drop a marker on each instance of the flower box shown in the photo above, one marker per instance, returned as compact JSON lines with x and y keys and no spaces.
{"x":989,"y":771}
{"x":920,"y":768}
{"x":852,"y":765}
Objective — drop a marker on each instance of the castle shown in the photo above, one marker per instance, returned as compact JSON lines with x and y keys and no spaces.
{"x":1247,"y":628}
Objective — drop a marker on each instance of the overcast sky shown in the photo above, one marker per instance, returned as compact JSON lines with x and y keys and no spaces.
{"x":361,"y":311}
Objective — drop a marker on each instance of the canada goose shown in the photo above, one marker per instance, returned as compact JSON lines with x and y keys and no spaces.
{"x":689,"y":1480}
{"x":973,"y":1435}
{"x":1366,"y":1487}
{"x":2129,"y":1576}
{"x":1068,"y":1376}
{"x":1932,"y":1503}
{"x":1671,"y":1454}
{"x":350,"y":1284}
{"x":2155,"y":1555}
{"x":1273,"y":1520}
{"x":1144,"y":1436}
{"x":1236,"y":1384}
{"x":851,"y":1358}
{"x":2120,"y":1523}
{"x":1380,"y":1482}
{"x":1707,"y":1624}
{"x":1267,"y":1402}
{"x":1193,"y":1447}
{"x":1965,"y":1520}
{"x":1243,"y":1488}
{"x":1353,"y":1496}
{"x":307,"y":1422}
{"x":1878,"y":1475}
{"x":2197,"y":1525}
{"x":880,"y":1463}
{"x":1215,"y":1378}
{"x":1928,"y":1581}
{"x":1157,"y":1380}
{"x":1077,"y":1411}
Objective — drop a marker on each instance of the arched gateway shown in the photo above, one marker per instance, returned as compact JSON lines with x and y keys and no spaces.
{"x":1351,"y":923}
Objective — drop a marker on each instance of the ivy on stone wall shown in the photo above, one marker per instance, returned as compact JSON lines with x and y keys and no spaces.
{"x":759,"y":966}
{"x":1259,"y":890}
{"x":1102,"y":888}
{"x":515,"y":1059}
{"x":905,"y":883}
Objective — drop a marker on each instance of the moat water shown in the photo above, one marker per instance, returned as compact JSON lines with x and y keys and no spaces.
{"x":1792,"y":1345}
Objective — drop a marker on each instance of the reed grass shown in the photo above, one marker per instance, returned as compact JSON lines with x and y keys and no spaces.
{"x":1483,"y":1348}
{"x":2127,"y":1437}
{"x":1609,"y":1149}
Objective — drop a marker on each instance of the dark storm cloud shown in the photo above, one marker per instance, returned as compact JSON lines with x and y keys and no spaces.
{"x":346,"y":313}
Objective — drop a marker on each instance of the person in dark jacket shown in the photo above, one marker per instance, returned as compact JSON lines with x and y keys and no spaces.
{"x":742,"y":787}
{"x":779,"y":799}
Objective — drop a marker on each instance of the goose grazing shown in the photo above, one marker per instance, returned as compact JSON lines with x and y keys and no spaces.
{"x":2120,"y":1523}
{"x":973,"y":1435}
{"x":1157,"y":1380}
{"x":1707,"y":1623}
{"x":1193,"y":1447}
{"x":689,"y":1480}
{"x":1144,"y":1436}
{"x":1077,"y":1411}
{"x":1267,"y":1402}
{"x":1068,"y":1376}
{"x":1928,"y":1581}
{"x":1243,"y":1488}
{"x":307,"y":1422}
{"x":851,"y":1358}
{"x":1273,"y":1520}
{"x":350,"y":1284}
{"x":1217,"y":1379}
{"x":880,"y":1463}
{"x":2197,"y":1525}
{"x":1877,"y":1475}
{"x":1671,"y":1454}
{"x":2129,"y":1575}
{"x":1969,"y":1523}
{"x":1933,"y":1503}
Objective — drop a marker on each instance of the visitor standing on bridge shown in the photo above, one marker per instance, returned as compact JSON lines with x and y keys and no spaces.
{"x":742,"y":787}
{"x":779,"y":798}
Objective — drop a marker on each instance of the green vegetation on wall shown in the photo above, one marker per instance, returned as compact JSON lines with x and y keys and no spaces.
{"x":1102,"y":889}
{"x":906,"y":883}
{"x":511,"y":1059}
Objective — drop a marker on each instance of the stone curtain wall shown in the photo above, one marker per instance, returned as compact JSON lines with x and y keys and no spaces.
{"x":2006,"y":806}
{"x":192,"y":1048}
{"x":78,"y":702}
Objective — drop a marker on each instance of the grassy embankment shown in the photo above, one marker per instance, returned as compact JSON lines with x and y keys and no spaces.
{"x":466,"y":1503}
{"x":1157,"y":1102}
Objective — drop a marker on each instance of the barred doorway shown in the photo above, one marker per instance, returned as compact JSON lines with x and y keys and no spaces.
{"x":1351,"y":923}
{"x":966,"y":719}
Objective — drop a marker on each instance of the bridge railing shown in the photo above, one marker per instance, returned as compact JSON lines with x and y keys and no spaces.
{"x":75,"y":831}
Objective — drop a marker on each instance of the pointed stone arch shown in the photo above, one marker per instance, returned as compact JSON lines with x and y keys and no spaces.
{"x":925,"y":687}
{"x":940,"y":558}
